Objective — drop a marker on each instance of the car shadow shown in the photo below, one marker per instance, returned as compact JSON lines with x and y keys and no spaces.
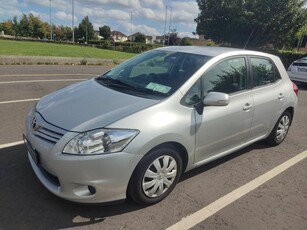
{"x":26,"y":204}
{"x":215,"y":163}
{"x":301,"y":86}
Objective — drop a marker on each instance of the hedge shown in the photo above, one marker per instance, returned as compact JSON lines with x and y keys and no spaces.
{"x":286,"y":56}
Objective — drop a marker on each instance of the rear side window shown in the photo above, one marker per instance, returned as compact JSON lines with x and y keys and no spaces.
{"x":263,"y":71}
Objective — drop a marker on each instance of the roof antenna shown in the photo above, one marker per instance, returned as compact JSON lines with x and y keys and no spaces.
{"x":249,"y":38}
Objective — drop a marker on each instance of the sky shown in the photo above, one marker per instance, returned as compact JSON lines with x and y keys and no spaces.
{"x":148,"y":16}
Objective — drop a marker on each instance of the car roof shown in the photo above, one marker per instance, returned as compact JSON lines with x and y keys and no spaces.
{"x":210,"y":50}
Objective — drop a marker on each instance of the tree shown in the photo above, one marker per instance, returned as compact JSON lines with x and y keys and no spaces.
{"x":105,"y":32}
{"x":7,"y":27}
{"x":185,"y":42}
{"x":250,"y":22}
{"x":45,"y":30}
{"x":172,"y":38}
{"x":86,"y":29}
{"x":35,"y":25}
{"x":15,"y":26}
{"x":24,"y":26}
{"x":140,"y":38}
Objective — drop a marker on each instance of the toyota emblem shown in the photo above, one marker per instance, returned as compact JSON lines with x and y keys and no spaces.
{"x":35,"y":126}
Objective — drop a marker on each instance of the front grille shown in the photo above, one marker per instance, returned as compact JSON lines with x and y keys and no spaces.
{"x":48,"y":134}
{"x":46,"y":131}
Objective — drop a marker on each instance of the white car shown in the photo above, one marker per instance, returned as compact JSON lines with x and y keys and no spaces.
{"x":297,"y":71}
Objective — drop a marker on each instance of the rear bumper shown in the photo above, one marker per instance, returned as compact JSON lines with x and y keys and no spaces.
{"x":297,"y":77}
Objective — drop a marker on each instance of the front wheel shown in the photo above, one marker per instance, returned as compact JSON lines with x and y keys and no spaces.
{"x":156,"y":176}
{"x":280,"y":130}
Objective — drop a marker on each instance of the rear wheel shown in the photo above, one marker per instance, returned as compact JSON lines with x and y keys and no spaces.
{"x":281,"y":129}
{"x":156,"y":176}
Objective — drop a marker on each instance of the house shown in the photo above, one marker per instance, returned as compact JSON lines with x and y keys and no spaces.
{"x":149,"y":39}
{"x":118,"y":36}
{"x":159,"y":39}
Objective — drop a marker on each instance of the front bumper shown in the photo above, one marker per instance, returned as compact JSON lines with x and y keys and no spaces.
{"x":84,"y":179}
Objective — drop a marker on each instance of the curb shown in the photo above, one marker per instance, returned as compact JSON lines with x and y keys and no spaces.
{"x":43,"y":60}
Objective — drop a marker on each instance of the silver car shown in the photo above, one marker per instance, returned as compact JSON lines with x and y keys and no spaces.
{"x":134,"y":130}
{"x":297,"y":71}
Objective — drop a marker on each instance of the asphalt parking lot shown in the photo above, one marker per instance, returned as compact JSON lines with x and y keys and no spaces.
{"x":279,"y":203}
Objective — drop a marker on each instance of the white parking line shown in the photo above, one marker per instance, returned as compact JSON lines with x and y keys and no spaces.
{"x":11,"y":144}
{"x":32,"y":81}
{"x":18,"y":101}
{"x":211,"y":209}
{"x":47,"y":75}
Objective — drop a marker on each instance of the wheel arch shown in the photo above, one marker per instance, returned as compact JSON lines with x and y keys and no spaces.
{"x":173,"y":145}
{"x":291,"y":111}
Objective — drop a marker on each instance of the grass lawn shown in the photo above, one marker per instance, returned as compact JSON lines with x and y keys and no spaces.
{"x":25,"y":48}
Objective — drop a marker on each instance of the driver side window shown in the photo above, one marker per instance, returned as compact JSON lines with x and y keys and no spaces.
{"x":228,"y":76}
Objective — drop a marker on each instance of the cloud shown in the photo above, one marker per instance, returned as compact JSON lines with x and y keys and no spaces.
{"x":147,"y":15}
{"x":154,"y":3}
{"x":61,"y":15}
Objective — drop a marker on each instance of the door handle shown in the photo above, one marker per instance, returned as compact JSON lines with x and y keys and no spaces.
{"x":247,"y":107}
{"x":281,"y":96}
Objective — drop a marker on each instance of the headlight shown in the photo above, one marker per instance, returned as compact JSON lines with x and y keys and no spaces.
{"x":100,"y":141}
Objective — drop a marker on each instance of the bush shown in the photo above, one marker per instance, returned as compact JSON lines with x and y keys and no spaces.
{"x":286,"y":56}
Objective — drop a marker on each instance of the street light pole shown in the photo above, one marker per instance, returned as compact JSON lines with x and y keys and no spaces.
{"x":165,"y":25}
{"x":169,"y":27}
{"x":72,"y":21}
{"x":50,"y":20}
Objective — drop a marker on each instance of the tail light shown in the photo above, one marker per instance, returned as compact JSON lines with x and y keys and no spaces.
{"x":295,"y":88}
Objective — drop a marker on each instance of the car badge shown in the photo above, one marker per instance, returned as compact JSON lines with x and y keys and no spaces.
{"x":35,"y":126}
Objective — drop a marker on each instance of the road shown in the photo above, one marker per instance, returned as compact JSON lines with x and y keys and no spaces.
{"x":279,"y":203}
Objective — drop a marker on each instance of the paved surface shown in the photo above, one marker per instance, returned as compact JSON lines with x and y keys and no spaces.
{"x":281,"y":203}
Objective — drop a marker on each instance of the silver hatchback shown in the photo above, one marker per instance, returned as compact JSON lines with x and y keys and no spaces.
{"x":135,"y":129}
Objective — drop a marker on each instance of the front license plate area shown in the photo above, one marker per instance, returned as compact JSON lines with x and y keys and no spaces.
{"x":34,"y":154}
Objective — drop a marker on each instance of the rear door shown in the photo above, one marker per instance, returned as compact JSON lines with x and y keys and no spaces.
{"x":269,"y":95}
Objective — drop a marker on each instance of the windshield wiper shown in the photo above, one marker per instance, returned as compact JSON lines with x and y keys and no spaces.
{"x":116,"y":83}
{"x":107,"y":81}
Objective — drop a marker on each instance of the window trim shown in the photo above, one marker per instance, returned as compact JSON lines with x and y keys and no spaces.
{"x":248,"y":78}
{"x":249,"y":57}
{"x":248,"y":82}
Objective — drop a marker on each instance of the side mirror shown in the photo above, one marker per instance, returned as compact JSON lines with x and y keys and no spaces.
{"x":216,"y":99}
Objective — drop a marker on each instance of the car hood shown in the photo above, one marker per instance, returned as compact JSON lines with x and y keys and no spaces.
{"x":88,"y":105}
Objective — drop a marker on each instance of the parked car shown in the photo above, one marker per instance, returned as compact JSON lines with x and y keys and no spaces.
{"x":297,"y":71}
{"x":134,"y":130}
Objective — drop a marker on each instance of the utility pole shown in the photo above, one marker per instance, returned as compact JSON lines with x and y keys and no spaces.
{"x":86,"y":33}
{"x":73,"y":20}
{"x":131,"y":30}
{"x":50,"y":20}
{"x":169,"y":26}
{"x":165,"y":24}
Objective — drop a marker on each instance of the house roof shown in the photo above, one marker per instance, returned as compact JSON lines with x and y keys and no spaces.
{"x":118,"y":33}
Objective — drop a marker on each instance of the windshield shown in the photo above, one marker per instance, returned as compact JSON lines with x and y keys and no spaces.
{"x":154,"y":73}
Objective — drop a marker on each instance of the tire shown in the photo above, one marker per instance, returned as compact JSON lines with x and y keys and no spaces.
{"x":155,"y":176}
{"x":280,"y":129}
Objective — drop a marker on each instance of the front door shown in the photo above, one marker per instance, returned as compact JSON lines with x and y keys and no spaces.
{"x":221,"y":128}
